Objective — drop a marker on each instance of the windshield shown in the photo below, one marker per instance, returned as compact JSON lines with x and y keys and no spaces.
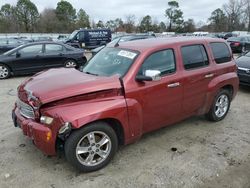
{"x":110,"y":61}
{"x":72,"y":36}
{"x":247,"y":54}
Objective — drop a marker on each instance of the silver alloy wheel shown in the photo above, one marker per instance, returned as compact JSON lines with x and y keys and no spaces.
{"x":4,"y":72}
{"x":93,"y":148}
{"x":70,"y":64}
{"x":221,"y":106}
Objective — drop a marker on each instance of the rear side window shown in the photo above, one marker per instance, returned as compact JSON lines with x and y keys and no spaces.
{"x":221,"y":52}
{"x":52,"y":48}
{"x":194,"y":56}
{"x":163,"y":61}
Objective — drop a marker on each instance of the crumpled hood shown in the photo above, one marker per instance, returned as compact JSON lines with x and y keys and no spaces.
{"x":56,"y":84}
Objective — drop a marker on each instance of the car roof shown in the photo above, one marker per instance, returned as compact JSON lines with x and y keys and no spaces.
{"x":147,"y":44}
{"x":45,"y":42}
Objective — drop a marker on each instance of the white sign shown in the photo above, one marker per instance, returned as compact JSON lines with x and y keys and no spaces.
{"x":127,"y":54}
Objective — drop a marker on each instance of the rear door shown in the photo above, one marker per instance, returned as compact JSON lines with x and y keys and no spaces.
{"x":54,"y":56}
{"x":196,"y":76}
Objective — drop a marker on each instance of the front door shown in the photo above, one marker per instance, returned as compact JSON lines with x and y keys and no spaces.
{"x":28,"y":59}
{"x":161,"y":101}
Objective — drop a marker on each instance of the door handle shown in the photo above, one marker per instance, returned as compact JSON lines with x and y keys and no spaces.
{"x":177,"y":84}
{"x":209,"y":75}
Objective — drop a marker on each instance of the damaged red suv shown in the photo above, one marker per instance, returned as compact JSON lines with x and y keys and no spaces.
{"x":123,"y":92}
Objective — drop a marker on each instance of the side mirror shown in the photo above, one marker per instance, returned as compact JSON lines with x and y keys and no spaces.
{"x":18,"y":55}
{"x":150,"y":75}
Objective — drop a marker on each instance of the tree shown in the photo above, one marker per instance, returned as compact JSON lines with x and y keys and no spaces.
{"x":48,"y":22}
{"x":189,"y":26}
{"x":162,"y":27}
{"x":82,"y":19}
{"x":129,"y":25}
{"x":234,"y":10}
{"x":100,"y":24}
{"x":174,"y":14}
{"x":111,"y":25}
{"x":247,"y":13}
{"x":119,"y":24}
{"x":7,"y":18}
{"x":66,"y":15}
{"x":27,"y":14}
{"x":218,"y":20}
{"x":146,"y":24}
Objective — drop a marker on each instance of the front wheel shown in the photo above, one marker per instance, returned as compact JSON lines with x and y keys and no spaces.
{"x":4,"y":71}
{"x":92,"y":147}
{"x":220,"y":106}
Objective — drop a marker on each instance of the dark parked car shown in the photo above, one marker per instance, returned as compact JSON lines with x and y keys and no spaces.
{"x":37,"y":56}
{"x":237,"y":44}
{"x":122,"y":39}
{"x":243,"y":64}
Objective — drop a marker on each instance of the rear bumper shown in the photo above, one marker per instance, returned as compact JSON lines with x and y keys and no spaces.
{"x":41,"y":135}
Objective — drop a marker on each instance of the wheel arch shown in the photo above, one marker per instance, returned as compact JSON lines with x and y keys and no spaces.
{"x":229,"y":88}
{"x":115,"y":124}
{"x":11,"y":70}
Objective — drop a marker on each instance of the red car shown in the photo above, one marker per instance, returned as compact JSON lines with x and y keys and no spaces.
{"x":124,"y":92}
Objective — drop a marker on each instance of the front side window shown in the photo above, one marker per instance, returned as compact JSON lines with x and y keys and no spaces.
{"x":33,"y":49}
{"x":111,"y":61}
{"x":163,"y":61}
{"x":80,"y":36}
{"x":221,"y":52}
{"x":194,"y":56}
{"x":51,"y":48}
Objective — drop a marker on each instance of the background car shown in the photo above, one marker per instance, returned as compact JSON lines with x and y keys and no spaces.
{"x":37,"y":56}
{"x":123,"y":38}
{"x":7,"y":44}
{"x":243,"y":64}
{"x":237,"y":44}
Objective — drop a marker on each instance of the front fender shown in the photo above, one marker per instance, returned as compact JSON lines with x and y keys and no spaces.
{"x":83,"y":113}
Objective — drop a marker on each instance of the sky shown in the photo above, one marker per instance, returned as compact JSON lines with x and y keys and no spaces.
{"x":199,"y":10}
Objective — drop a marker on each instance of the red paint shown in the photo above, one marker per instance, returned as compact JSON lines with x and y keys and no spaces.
{"x":71,"y":96}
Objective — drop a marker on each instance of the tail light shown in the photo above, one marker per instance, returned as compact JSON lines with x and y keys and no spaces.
{"x":236,"y":43}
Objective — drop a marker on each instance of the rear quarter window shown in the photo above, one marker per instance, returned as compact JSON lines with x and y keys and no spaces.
{"x":221,"y":52}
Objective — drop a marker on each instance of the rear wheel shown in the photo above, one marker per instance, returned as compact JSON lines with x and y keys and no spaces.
{"x":92,"y":147}
{"x":4,"y":71}
{"x":220,"y":106}
{"x":70,"y":63}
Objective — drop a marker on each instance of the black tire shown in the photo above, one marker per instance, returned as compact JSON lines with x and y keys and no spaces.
{"x":212,"y":115}
{"x":70,"y":63}
{"x":79,"y":136}
{"x":4,"y":71}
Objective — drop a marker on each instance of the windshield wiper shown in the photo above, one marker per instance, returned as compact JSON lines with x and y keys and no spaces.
{"x":91,"y":73}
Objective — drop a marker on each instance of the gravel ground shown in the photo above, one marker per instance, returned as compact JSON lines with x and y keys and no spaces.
{"x":193,"y":153}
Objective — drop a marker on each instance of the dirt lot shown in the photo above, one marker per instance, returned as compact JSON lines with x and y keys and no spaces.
{"x":208,"y":154}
